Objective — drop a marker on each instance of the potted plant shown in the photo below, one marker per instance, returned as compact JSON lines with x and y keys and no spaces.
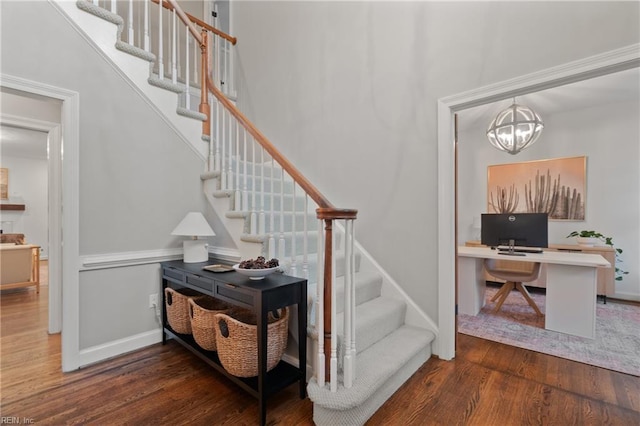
{"x":592,"y":238}
{"x":587,"y":238}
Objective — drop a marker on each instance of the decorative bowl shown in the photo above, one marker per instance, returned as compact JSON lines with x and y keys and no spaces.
{"x":254,"y":274}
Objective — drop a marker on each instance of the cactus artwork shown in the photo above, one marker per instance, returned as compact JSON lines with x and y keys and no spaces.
{"x":504,"y":203}
{"x":553,"y":186}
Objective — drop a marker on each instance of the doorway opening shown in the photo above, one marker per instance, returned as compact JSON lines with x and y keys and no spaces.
{"x":607,"y":63}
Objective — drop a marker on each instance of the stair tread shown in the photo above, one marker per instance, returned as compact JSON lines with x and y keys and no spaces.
{"x":374,"y":366}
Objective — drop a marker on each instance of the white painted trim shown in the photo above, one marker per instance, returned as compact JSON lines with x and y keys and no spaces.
{"x":415,"y":316}
{"x":625,"y":296}
{"x":118,"y":347}
{"x":606,"y":63}
{"x":66,"y":256}
{"x":132,"y":258}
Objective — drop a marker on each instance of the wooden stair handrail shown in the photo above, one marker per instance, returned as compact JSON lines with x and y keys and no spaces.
{"x":325,"y":210}
{"x":168,"y":4}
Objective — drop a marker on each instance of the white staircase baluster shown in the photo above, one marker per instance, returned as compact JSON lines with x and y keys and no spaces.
{"x":281,"y":246}
{"x":211,"y":160}
{"x":217,"y":136}
{"x":174,"y":65}
{"x":147,"y":44}
{"x":215,"y":48}
{"x":195,"y":64}
{"x":160,"y":43}
{"x":261,"y":225}
{"x":223,"y":143}
{"x":352,"y":259}
{"x":320,"y":371}
{"x":236,"y":194}
{"x":272,"y":211}
{"x":130,"y":36}
{"x":333,"y":362}
{"x":253,"y":219}
{"x":305,"y":239}
{"x":230,"y":152}
{"x":294,"y":266}
{"x":348,"y":308}
{"x":187,"y":89}
{"x":231,"y":83}
{"x":245,"y":188}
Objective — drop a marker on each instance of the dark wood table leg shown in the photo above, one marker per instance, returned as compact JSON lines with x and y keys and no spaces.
{"x":262,"y":360}
{"x":302,"y":339}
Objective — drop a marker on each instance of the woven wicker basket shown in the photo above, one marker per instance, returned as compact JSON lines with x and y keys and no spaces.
{"x":202,"y":314}
{"x":237,"y":341}
{"x":177,"y":306}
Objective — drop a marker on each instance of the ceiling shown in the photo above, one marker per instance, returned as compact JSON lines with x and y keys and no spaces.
{"x":618,"y":87}
{"x":622,"y":86}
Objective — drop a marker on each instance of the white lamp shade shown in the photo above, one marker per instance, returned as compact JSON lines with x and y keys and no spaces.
{"x":194,"y":225}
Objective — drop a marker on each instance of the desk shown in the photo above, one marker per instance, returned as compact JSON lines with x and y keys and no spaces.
{"x":273,"y":292}
{"x":571,"y":286}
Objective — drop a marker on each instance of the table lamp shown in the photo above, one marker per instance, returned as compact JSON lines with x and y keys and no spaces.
{"x":194,"y":225}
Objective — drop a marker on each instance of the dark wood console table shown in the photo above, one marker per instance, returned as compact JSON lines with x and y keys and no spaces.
{"x":273,"y":292}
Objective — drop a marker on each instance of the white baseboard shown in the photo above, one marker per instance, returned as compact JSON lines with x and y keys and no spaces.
{"x":118,"y":347}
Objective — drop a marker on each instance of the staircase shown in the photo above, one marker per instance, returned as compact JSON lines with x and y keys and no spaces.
{"x":378,"y":336}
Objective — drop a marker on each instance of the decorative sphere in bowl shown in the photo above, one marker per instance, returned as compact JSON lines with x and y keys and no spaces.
{"x":254,"y":274}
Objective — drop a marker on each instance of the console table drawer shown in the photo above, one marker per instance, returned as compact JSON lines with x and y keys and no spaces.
{"x":234,"y":294}
{"x":201,"y":282}
{"x":173,"y":275}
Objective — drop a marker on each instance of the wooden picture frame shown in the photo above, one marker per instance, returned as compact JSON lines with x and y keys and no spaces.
{"x":4,"y":183}
{"x":556,"y":186}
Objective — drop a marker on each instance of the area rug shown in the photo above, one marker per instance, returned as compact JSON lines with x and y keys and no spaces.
{"x":616,"y":346}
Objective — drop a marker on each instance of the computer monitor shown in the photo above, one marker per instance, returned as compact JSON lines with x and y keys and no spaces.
{"x":515,"y":230}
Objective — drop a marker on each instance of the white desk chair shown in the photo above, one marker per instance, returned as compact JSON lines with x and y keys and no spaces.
{"x":514,"y":279}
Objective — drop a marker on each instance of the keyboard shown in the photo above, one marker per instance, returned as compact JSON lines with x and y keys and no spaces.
{"x":520,"y":250}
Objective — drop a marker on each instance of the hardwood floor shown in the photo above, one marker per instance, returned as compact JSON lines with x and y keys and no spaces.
{"x":487,"y":384}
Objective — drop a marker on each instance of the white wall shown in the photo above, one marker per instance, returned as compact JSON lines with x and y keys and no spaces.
{"x":609,"y":136}
{"x":28,"y":186}
{"x":348,"y":91}
{"x":137,"y":177}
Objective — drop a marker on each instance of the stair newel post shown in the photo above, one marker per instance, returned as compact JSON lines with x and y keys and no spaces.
{"x":329,"y":297}
{"x":204,"y":107}
{"x":320,"y":362}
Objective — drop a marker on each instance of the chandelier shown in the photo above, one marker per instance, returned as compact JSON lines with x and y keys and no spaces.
{"x":515,"y":129}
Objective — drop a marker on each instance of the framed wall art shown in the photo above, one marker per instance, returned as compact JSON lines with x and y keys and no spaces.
{"x":555,"y":186}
